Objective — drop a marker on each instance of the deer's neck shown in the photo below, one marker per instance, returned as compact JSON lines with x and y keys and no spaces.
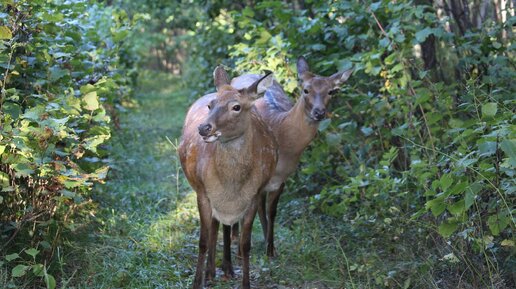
{"x":236,"y":153}
{"x":297,"y":130}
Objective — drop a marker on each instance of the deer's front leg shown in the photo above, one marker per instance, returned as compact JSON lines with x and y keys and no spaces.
{"x":203,"y":204}
{"x":212,"y":249}
{"x":227,"y":266}
{"x":245,"y":243}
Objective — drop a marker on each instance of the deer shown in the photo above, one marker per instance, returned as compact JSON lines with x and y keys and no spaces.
{"x":228,"y":155}
{"x":294,"y":126}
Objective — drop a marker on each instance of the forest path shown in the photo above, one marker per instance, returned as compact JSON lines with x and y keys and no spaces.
{"x":147,"y":217}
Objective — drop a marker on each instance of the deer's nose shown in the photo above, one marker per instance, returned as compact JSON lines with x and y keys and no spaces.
{"x":205,"y":129}
{"x":319,"y":113}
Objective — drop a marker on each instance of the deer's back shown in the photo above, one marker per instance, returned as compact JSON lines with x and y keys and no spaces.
{"x":273,"y":105}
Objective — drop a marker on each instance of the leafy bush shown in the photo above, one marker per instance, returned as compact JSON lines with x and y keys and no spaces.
{"x":61,"y":82}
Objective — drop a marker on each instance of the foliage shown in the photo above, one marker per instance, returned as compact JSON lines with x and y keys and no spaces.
{"x":61,"y":83}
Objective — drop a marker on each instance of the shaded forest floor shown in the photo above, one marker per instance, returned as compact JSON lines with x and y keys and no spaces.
{"x":146,"y":227}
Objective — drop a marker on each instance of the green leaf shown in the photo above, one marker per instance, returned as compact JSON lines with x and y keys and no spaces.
{"x":120,"y":35}
{"x":50,"y":281}
{"x":497,"y":223}
{"x":19,"y":271}
{"x":458,"y":188}
{"x":5,"y":33}
{"x":446,"y":228}
{"x":34,"y":113}
{"x":318,"y":47}
{"x":421,"y":35}
{"x":487,"y":148}
{"x":457,"y":208}
{"x":367,"y":131}
{"x":91,"y":101}
{"x":11,"y":257}
{"x":456,"y":123}
{"x":469,"y":198}
{"x":374,"y":6}
{"x":2,"y":149}
{"x":489,"y":109}
{"x":446,"y":180}
{"x":507,"y":243}
{"x":38,"y":270}
{"x":509,"y":148}
{"x":466,"y":162}
{"x":333,"y":139}
{"x":397,"y":67}
{"x":22,"y":170}
{"x":437,"y":206}
{"x":264,"y":37}
{"x":248,"y":12}
{"x":323,"y":125}
{"x":32,"y":252}
{"x":384,"y":42}
{"x":57,"y":73}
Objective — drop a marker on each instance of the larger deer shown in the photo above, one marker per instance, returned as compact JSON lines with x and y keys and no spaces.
{"x":294,"y":127}
{"x":228,"y":155}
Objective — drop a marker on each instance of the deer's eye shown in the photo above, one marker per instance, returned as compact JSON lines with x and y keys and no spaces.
{"x":209,"y":106}
{"x":236,"y":107}
{"x":305,"y":91}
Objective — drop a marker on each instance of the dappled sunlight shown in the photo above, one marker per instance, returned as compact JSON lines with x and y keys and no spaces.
{"x":173,"y":231}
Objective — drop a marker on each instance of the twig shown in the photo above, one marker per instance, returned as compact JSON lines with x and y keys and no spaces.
{"x":383,"y":31}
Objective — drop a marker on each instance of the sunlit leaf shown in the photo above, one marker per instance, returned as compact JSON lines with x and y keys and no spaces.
{"x":37,"y":269}
{"x":19,"y":270}
{"x":489,"y":109}
{"x":11,"y":257}
{"x":91,"y":101}
{"x":5,"y":32}
{"x":50,"y":281}
{"x":32,"y":252}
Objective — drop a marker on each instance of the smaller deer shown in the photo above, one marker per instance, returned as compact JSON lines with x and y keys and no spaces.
{"x":294,"y":127}
{"x":228,"y":155}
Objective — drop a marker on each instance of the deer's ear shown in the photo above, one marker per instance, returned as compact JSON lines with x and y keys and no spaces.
{"x":340,"y":77}
{"x":259,"y":86}
{"x":220,"y":77}
{"x":302,"y":67}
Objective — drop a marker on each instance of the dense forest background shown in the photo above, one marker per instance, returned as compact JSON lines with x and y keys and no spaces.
{"x":409,"y":184}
